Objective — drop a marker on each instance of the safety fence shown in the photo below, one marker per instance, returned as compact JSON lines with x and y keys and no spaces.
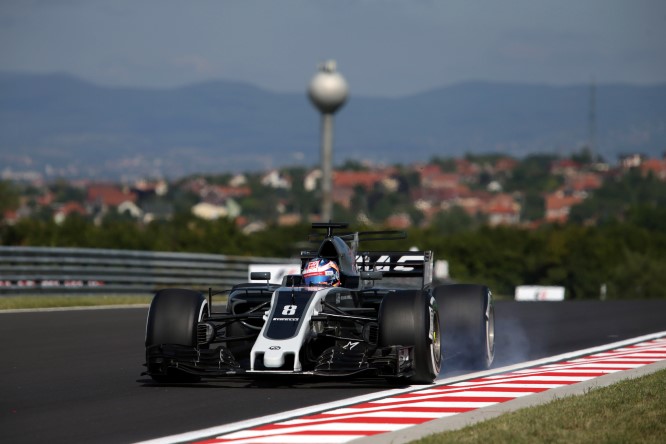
{"x":35,"y":270}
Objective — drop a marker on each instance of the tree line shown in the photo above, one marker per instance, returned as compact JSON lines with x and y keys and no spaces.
{"x":627,"y":258}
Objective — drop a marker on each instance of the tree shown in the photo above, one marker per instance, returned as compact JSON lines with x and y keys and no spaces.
{"x":533,"y":206}
{"x":446,"y":164}
{"x":638,"y":276}
{"x":583,"y":157}
{"x":533,"y":173}
{"x":454,"y":221}
{"x":353,"y":165}
{"x":65,"y":192}
{"x":9,"y":196}
{"x":616,"y":198}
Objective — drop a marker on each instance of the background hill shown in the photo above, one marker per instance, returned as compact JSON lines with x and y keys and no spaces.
{"x":79,"y":128}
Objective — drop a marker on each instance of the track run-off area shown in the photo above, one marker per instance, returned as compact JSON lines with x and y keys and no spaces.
{"x":74,"y":375}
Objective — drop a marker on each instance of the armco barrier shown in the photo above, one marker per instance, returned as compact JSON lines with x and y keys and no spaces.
{"x":34,"y":270}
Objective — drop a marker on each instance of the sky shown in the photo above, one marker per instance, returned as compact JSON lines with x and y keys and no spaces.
{"x":383,"y":48}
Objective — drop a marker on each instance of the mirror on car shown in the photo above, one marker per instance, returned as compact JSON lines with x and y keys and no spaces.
{"x":260,"y":276}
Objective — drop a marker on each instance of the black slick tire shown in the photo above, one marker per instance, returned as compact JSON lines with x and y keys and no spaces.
{"x":410,"y":318}
{"x":468,"y":324}
{"x":172,"y":320}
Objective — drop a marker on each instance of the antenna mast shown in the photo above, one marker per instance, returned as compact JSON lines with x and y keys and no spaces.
{"x":592,"y":123}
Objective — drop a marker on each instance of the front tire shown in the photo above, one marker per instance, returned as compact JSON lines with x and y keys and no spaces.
{"x":467,"y":314}
{"x":172,"y":320}
{"x":411,"y":318}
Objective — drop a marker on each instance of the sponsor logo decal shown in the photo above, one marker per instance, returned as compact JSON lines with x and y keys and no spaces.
{"x":395,"y":263}
{"x":350,"y":345}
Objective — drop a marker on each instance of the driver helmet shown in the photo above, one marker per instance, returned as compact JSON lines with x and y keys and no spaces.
{"x":321,"y":272}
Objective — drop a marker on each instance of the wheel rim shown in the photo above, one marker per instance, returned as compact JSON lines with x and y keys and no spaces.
{"x":490,"y":331}
{"x":204,"y":311}
{"x":435,"y":341}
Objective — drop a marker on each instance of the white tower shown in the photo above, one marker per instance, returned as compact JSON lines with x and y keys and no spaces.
{"x":328,"y":91}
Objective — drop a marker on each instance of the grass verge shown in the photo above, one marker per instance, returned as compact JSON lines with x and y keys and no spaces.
{"x":23,"y":302}
{"x":630,"y":411}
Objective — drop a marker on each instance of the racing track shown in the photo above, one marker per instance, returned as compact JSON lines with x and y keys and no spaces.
{"x":70,"y":376}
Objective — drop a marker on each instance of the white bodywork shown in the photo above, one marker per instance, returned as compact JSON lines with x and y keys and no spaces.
{"x":275,"y":351}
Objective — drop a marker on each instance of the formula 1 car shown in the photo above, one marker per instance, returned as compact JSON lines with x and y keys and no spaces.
{"x":334,"y":319}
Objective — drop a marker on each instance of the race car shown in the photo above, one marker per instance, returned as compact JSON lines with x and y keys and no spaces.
{"x":350,"y":312}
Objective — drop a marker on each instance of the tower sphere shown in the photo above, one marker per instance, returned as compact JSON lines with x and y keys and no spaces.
{"x":328,"y":90}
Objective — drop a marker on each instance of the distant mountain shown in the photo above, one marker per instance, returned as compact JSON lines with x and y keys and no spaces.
{"x":89,"y":130}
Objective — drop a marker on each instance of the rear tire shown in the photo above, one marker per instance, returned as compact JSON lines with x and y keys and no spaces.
{"x":467,"y":317}
{"x":172,"y":319}
{"x":410,"y":318}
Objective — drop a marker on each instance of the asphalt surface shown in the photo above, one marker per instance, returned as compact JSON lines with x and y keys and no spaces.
{"x":75,"y":375}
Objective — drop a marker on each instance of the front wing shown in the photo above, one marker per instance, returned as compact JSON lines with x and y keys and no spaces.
{"x":388,"y":362}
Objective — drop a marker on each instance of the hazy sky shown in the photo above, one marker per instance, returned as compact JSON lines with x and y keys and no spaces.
{"x":383,"y":48}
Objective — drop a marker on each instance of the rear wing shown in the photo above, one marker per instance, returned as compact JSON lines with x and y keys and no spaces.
{"x":397,"y":263}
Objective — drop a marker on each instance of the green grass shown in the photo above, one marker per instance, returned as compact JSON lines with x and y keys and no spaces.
{"x":631,"y":411}
{"x":64,"y":301}
{"x":22,"y":302}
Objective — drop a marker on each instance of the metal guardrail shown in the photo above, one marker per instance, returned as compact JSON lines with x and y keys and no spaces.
{"x":33,"y":270}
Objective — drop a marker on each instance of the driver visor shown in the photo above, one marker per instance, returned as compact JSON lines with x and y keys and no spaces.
{"x":316,"y":278}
